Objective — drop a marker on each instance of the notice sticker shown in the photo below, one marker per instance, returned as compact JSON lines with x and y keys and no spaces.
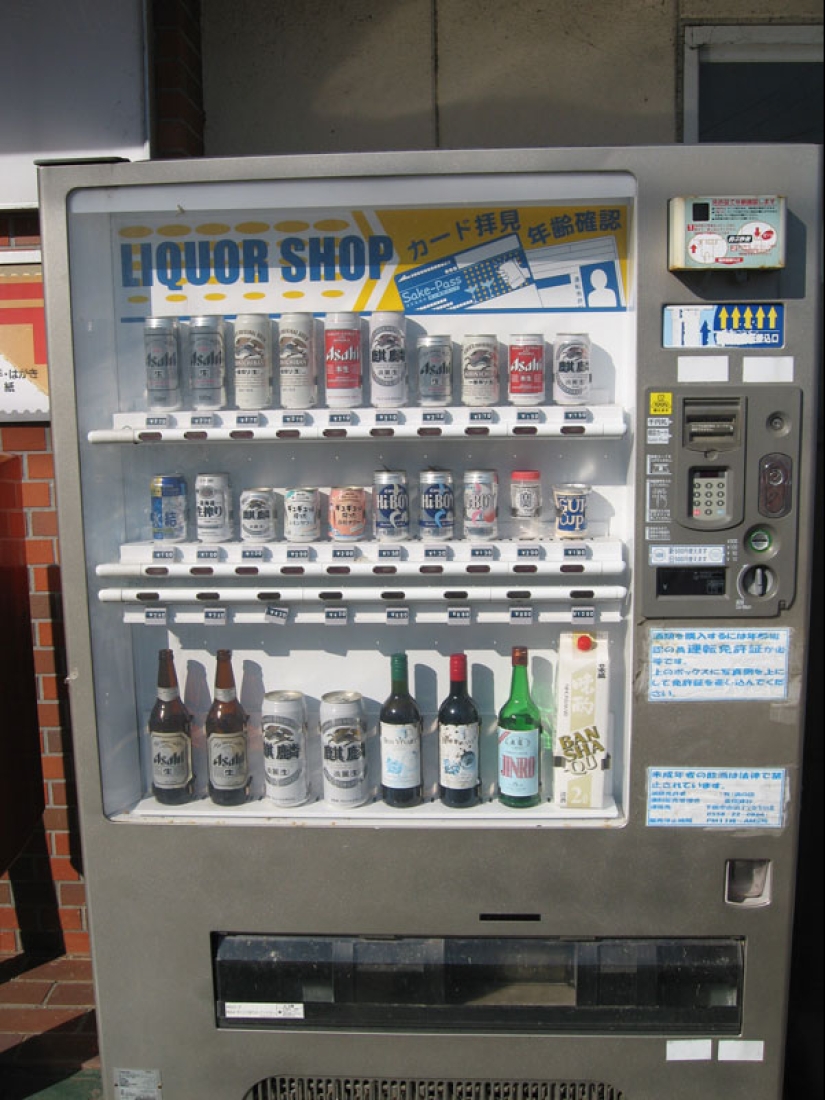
{"x":722,"y":798}
{"x":699,"y":664}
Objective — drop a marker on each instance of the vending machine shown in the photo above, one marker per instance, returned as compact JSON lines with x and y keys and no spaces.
{"x":330,"y":429}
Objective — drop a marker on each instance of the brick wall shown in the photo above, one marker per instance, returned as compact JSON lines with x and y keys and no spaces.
{"x":176,"y":78}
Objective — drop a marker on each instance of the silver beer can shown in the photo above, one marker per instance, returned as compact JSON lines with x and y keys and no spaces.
{"x":168,"y":500}
{"x":252,"y":346}
{"x":302,"y":515}
{"x":214,"y":508}
{"x":207,"y":363}
{"x":296,"y":361}
{"x":388,"y":360}
{"x":436,"y":507}
{"x":343,"y":749}
{"x":258,"y":515}
{"x":479,"y":370}
{"x":283,"y":725}
{"x":435,"y":370}
{"x":572,"y":377}
{"x":390,"y":506}
{"x":161,"y":345}
{"x":480,"y":504}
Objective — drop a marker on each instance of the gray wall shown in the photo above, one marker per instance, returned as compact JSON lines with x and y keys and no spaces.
{"x":338,"y":75}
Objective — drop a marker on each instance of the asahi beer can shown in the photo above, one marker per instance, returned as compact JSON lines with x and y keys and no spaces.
{"x":343,"y":370}
{"x":572,"y":377}
{"x":283,"y":726}
{"x":161,"y":345}
{"x":347,"y":513}
{"x":302,"y":515}
{"x":213,"y":504}
{"x":343,"y":749}
{"x":296,"y":361}
{"x":252,"y":346}
{"x":168,"y":496}
{"x":435,"y":370}
{"x":571,"y":510}
{"x":388,"y":360}
{"x":436,"y":511}
{"x":479,"y":370}
{"x":258,"y":514}
{"x":207,"y":363}
{"x":390,"y":506}
{"x":525,"y":369}
{"x":480,"y":504}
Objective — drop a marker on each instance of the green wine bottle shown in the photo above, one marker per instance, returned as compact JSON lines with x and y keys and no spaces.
{"x":400,"y":724}
{"x":519,"y":740}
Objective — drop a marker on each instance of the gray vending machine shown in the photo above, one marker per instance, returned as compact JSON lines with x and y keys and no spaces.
{"x":318,"y":411}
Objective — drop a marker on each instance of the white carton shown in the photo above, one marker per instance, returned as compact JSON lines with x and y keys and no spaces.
{"x":581,"y":749}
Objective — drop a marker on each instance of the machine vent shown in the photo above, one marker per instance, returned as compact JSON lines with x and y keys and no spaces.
{"x":390,"y":1088}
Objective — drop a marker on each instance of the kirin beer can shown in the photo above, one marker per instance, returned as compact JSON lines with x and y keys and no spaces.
{"x":302,"y":515}
{"x":347,"y":513}
{"x":343,"y":749}
{"x":388,"y":360}
{"x":283,"y":725}
{"x":168,"y":495}
{"x":435,"y":370}
{"x":571,"y":368}
{"x":436,"y":511}
{"x":252,"y":346}
{"x":480,"y":504}
{"x":257,"y":515}
{"x":343,"y":372}
{"x":213,"y":503}
{"x":525,"y":369}
{"x":479,"y":370}
{"x":390,"y":506}
{"x":161,"y":339}
{"x":296,"y":360}
{"x":207,"y":363}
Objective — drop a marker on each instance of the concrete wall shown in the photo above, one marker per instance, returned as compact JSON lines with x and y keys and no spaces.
{"x":335,"y":75}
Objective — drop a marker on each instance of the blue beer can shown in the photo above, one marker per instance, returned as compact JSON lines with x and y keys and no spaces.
{"x":168,"y":496}
{"x":390,"y":506}
{"x":436,"y":514}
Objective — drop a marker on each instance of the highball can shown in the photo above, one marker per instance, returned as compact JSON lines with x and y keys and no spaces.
{"x":525,"y":369}
{"x":388,"y":360}
{"x":258,"y":515}
{"x":390,"y":506}
{"x":436,"y":509}
{"x":572,"y":378}
{"x":343,"y":371}
{"x":161,"y":339}
{"x":343,"y":749}
{"x":213,"y":504}
{"x":435,"y":370}
{"x":347,"y":513}
{"x":168,"y":495}
{"x":283,"y":725}
{"x":302,"y":515}
{"x":296,"y":360}
{"x":253,"y":361}
{"x":207,"y":363}
{"x":479,"y":370}
{"x":480,"y":504}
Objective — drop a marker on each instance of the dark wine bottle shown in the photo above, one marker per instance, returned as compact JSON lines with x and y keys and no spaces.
{"x":519,"y":740}
{"x":226,"y":739}
{"x":400,"y":723}
{"x":170,"y":738}
{"x":458,"y":743}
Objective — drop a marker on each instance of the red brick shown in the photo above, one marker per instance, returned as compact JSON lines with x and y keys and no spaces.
{"x":56,"y":819}
{"x":33,"y":994}
{"x":52,"y":739}
{"x":72,"y":893}
{"x":37,"y":494}
{"x":9,"y":1040}
{"x":77,"y":994}
{"x":61,"y":844}
{"x":63,"y":870}
{"x":77,"y":943}
{"x":5,"y":892}
{"x":8,"y":943}
{"x":71,"y":920}
{"x":43,"y":524}
{"x":40,"y":551}
{"x":13,"y":525}
{"x":24,"y":438}
{"x":9,"y":920}
{"x":49,"y":688}
{"x":48,"y":715}
{"x":44,"y":634}
{"x":44,"y":660}
{"x":40,"y":466}
{"x":53,"y":767}
{"x":40,"y":606}
{"x":63,"y":969}
{"x":35,"y":1020}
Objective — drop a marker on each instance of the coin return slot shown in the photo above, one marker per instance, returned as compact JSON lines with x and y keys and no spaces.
{"x":206,"y":597}
{"x":748,"y":882}
{"x":269,"y":596}
{"x":525,"y":569}
{"x":338,"y":570}
{"x":571,"y":569}
{"x":157,"y":571}
{"x":247,"y":571}
{"x":147,"y":597}
{"x":330,"y":595}
{"x":195,"y":435}
{"x":384,"y":570}
{"x":455,"y":594}
{"x":201,"y":571}
{"x":288,"y":433}
{"x":478,"y":569}
{"x":582,"y":594}
{"x":572,"y":429}
{"x":292,"y":570}
{"x":396,"y":594}
{"x":149,"y":437}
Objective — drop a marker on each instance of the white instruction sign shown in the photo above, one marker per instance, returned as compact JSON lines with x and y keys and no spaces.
{"x":698,"y":664}
{"x":741,"y":798}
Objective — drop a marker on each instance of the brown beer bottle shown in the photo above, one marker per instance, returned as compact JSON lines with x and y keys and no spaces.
{"x":226,"y":740}
{"x":170,"y":738}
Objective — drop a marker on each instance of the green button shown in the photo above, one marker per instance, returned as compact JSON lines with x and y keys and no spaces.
{"x":759,"y":541}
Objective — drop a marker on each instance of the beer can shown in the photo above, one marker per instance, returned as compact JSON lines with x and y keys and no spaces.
{"x":572,"y":377}
{"x":168,"y":496}
{"x":479,"y":370}
{"x":252,"y":345}
{"x":526,"y":502}
{"x":388,"y":360}
{"x":213,"y":504}
{"x":161,"y":339}
{"x":436,"y":511}
{"x":525,"y":369}
{"x":347,"y":513}
{"x":343,"y":373}
{"x":480,"y":504}
{"x":435,"y":370}
{"x":571,"y":510}
{"x":343,"y":749}
{"x":207,"y":363}
{"x":296,"y":360}
{"x":390,"y":506}
{"x":302,"y":515}
{"x":257,"y":515}
{"x":283,"y":725}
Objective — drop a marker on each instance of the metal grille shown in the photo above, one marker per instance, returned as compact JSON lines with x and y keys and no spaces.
{"x":389,"y":1088}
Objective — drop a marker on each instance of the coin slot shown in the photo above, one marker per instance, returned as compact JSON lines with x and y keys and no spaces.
{"x":532,"y":917}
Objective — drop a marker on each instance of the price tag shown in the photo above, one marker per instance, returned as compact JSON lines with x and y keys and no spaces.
{"x":387,"y":418}
{"x":346,"y":553}
{"x":336,"y":616}
{"x":297,"y":554}
{"x":163,"y":555}
{"x":398,"y":616}
{"x":202,"y":420}
{"x":389,"y":553}
{"x":583,"y":616}
{"x":528,"y":416}
{"x":437,"y":416}
{"x":248,"y":420}
{"x":482,"y":552}
{"x":214,"y":616}
{"x":294,"y":419}
{"x":277,"y":616}
{"x":528,"y":552}
{"x":576,"y":415}
{"x":252,"y":553}
{"x":207,"y":553}
{"x":437,"y":553}
{"x":522,"y":615}
{"x":157,"y":421}
{"x":154,"y":616}
{"x":575,"y":552}
{"x":340,"y":418}
{"x":481,"y":416}
{"x":459,"y":616}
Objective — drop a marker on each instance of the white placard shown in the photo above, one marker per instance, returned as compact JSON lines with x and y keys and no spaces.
{"x":722,"y":798}
{"x":702,"y":368}
{"x":263,"y":1010}
{"x":741,"y":1050}
{"x":697,"y":664}
{"x":767,"y":368}
{"x":689,"y":1050}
